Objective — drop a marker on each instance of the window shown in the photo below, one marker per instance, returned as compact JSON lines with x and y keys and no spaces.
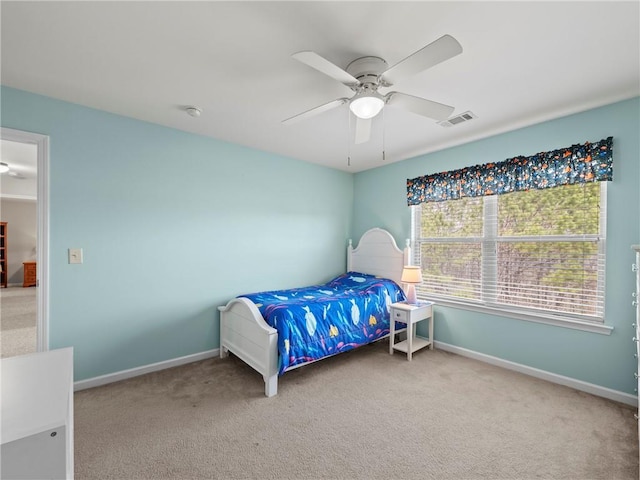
{"x":540,"y":252}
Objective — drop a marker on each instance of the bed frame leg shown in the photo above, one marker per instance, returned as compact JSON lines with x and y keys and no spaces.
{"x":224,"y":352}
{"x":271,"y":385}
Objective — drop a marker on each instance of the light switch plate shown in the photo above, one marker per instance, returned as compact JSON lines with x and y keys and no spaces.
{"x":75,"y":255}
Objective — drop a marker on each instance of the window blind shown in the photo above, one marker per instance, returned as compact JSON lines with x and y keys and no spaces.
{"x":538,"y":250}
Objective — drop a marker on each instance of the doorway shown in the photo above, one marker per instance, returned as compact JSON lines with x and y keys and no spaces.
{"x":24,"y":197}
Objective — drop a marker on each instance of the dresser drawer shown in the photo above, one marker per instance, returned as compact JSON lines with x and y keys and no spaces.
{"x":30,"y":274}
{"x":400,"y":315}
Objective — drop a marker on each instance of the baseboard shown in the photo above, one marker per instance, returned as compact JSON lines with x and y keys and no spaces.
{"x":542,"y":374}
{"x":134,"y":372}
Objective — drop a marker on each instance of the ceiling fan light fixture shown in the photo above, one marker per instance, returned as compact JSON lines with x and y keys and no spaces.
{"x":366,"y":106}
{"x":4,"y":167}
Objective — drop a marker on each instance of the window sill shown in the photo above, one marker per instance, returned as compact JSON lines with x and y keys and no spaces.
{"x":548,"y":319}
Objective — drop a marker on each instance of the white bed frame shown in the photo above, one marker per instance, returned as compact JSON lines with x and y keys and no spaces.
{"x":245,"y":333}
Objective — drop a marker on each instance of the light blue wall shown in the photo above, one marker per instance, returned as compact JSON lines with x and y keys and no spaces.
{"x":172,"y":226}
{"x":380,"y":200}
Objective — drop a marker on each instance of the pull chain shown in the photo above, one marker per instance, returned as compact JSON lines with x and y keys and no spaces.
{"x":348,"y":138}
{"x":384,"y":153}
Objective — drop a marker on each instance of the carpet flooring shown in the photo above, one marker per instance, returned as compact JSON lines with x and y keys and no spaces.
{"x":18,"y":313}
{"x":360,"y":415}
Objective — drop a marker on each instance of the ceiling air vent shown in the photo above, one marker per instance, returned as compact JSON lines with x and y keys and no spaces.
{"x":463,"y":117}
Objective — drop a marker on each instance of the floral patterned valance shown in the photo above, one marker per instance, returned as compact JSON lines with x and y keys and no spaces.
{"x":589,"y":162}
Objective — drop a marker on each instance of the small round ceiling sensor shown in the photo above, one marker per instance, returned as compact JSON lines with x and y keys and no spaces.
{"x":193,"y":111}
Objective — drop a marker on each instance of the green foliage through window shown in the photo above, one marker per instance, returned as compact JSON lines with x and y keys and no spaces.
{"x":539,"y":250}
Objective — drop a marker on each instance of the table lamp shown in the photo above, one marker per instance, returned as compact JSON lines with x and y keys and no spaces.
{"x":412,"y":276}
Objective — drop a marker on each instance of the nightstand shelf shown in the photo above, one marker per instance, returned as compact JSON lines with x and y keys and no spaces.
{"x":417,"y":344}
{"x":410,"y":315}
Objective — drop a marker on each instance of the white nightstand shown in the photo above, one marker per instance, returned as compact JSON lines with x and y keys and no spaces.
{"x":411,"y":315}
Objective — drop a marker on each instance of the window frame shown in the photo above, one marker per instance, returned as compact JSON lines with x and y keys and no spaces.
{"x":490,"y":238}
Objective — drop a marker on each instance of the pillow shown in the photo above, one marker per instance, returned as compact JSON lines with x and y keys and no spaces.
{"x":350,"y":279}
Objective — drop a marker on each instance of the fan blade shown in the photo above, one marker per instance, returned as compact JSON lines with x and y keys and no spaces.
{"x":421,"y":106}
{"x":325,"y":66}
{"x":315,"y":111}
{"x":363,"y":130}
{"x":438,"y":51}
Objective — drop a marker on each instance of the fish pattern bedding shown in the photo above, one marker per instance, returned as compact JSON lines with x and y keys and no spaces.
{"x":321,"y":320}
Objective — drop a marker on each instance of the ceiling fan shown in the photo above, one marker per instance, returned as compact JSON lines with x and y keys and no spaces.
{"x":366,"y":75}
{"x":4,"y":168}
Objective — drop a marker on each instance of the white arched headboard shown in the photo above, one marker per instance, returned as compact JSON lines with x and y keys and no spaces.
{"x":377,"y":254}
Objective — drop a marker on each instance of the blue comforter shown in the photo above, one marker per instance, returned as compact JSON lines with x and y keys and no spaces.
{"x":321,"y":320}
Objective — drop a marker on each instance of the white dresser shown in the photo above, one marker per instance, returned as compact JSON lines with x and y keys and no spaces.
{"x":37,"y":415}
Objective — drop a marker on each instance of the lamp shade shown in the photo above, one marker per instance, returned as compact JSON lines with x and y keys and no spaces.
{"x":411,"y":274}
{"x":4,"y":167}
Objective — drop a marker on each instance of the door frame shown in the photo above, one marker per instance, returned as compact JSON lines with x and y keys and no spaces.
{"x":42,"y":243}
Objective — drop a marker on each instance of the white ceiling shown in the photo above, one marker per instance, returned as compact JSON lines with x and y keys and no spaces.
{"x":21,"y":181}
{"x":523,"y":62}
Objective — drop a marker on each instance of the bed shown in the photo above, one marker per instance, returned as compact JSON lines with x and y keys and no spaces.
{"x":348,"y":311}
